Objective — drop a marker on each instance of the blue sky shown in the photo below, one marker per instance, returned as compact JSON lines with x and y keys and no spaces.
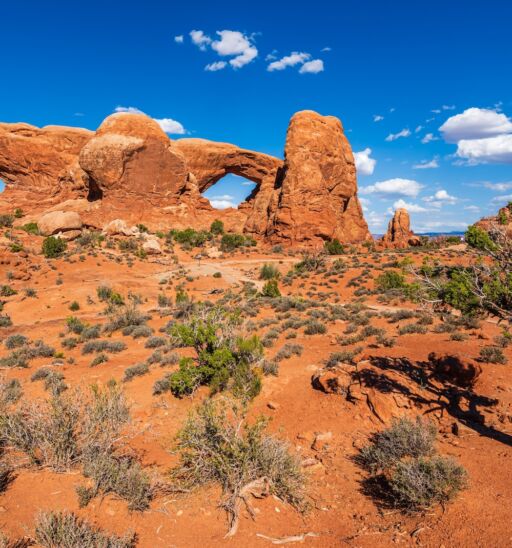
{"x":419,"y":66}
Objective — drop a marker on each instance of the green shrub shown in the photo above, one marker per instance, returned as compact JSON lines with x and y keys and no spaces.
{"x":74,"y":306}
{"x":18,"y":213}
{"x":217,"y":227}
{"x":478,"y":238}
{"x":271,"y":289}
{"x":334,"y":247}
{"x":190,"y":238}
{"x":53,"y":247}
{"x":390,"y":280}
{"x":135,"y":371}
{"x":231,"y":241}
{"x":314,"y":327}
{"x":30,"y":228}
{"x":269,"y":272}
{"x":7,"y":291}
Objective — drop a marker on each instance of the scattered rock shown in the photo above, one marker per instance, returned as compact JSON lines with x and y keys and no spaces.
{"x":273,"y":405}
{"x":152,"y":246}
{"x":59,"y":221}
{"x":321,"y":440}
{"x":455,"y":369}
{"x":119,"y":227}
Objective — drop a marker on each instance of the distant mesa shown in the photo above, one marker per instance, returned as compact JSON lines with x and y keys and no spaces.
{"x":130,"y":169}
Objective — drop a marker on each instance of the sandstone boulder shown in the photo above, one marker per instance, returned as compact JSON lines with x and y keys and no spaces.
{"x":119,"y":227}
{"x":399,"y":234}
{"x":317,"y":197}
{"x":59,"y":221}
{"x":152,"y":246}
{"x":455,"y":368}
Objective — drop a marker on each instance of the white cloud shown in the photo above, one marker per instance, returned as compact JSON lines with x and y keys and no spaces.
{"x":491,"y":150}
{"x":498,"y":187}
{"x":179,"y":39}
{"x":448,"y":107}
{"x":131,"y":110}
{"x":394,"y":136}
{"x":326,"y":49}
{"x":200,"y":39}
{"x":418,"y":129}
{"x":375,"y":220}
{"x":472,"y":208}
{"x":364,"y":164}
{"x":411,"y":208}
{"x":427,"y":164}
{"x":170,"y":126}
{"x":428,"y":138}
{"x":222,"y":202}
{"x":378,"y":118}
{"x":440,"y":198}
{"x":295,"y":58}
{"x":213,"y":67}
{"x":394,"y":187}
{"x":475,"y":123}
{"x":436,"y":111}
{"x":365,"y":203}
{"x":312,"y":67}
{"x":502,"y":200}
{"x":233,"y":42}
{"x":167,"y":124}
{"x":432,"y":226}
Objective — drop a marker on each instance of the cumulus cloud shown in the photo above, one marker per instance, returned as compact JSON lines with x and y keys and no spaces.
{"x":230,"y":43}
{"x":411,"y":208}
{"x":365,"y":203}
{"x":440,"y":198}
{"x":425,"y":164}
{"x":364,"y":164}
{"x":394,"y":187}
{"x":394,"y":136}
{"x":295,"y":58}
{"x":213,"y":67}
{"x":222,"y":202}
{"x":179,"y":39}
{"x":491,"y":150}
{"x":200,"y":39}
{"x":168,"y":125}
{"x":475,"y":123}
{"x":378,"y":118}
{"x":326,"y":49}
{"x":428,"y":138}
{"x":235,"y":43}
{"x":312,"y":67}
{"x":472,"y":208}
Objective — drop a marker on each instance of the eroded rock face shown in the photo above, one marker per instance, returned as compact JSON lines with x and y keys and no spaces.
{"x":130,"y":156}
{"x":43,"y":161}
{"x":318,"y":193}
{"x":399,"y":234}
{"x":130,"y":169}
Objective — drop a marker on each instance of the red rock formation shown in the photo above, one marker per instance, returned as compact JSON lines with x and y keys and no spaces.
{"x":318,"y":194}
{"x":399,"y":234}
{"x":42,"y":163}
{"x":129,"y":169}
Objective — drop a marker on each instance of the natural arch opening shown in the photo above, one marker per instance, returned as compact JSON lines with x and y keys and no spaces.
{"x":230,"y":191}
{"x":2,"y":186}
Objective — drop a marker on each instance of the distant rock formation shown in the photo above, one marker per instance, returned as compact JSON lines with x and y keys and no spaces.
{"x":501,"y":221}
{"x":399,"y":234}
{"x":130,"y":169}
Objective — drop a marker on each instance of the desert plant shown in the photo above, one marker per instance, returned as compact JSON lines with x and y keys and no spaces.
{"x":216,"y":448}
{"x":53,"y":247}
{"x":269,"y":272}
{"x":66,"y":530}
{"x":271,"y":289}
{"x":217,"y":227}
{"x":334,"y":247}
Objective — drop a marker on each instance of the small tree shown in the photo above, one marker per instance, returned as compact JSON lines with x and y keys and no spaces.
{"x":53,"y":247}
{"x":217,"y":227}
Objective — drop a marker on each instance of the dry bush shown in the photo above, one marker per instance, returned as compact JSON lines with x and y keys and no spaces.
{"x":218,"y":447}
{"x":66,"y":530}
